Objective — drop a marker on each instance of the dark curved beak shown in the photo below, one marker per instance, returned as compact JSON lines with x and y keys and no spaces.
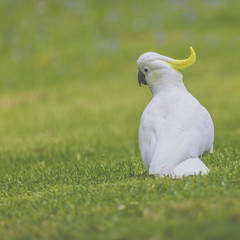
{"x":141,"y":78}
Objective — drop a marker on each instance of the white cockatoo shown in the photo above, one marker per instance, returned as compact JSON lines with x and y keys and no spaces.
{"x":175,"y":129}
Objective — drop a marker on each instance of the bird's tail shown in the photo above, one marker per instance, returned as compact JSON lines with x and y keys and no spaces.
{"x":191,"y":166}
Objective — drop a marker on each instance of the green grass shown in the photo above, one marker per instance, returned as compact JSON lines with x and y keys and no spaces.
{"x":70,"y":107}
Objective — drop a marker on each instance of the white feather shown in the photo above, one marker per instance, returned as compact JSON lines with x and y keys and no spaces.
{"x":191,"y":166}
{"x":174,"y":126}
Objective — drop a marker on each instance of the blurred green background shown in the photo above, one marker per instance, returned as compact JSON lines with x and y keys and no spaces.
{"x":70,"y":107}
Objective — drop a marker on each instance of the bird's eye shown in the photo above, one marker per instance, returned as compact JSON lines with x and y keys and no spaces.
{"x":145,"y":69}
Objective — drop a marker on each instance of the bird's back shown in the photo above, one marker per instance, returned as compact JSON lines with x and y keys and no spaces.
{"x":174,"y":127}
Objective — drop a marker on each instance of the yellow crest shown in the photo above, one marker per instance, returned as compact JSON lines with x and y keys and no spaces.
{"x":181,"y":64}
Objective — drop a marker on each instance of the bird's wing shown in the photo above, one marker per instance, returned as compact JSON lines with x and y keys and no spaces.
{"x":149,"y":131}
{"x":187,"y":132}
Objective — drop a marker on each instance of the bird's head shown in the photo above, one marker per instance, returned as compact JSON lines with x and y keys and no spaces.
{"x":156,"y":70}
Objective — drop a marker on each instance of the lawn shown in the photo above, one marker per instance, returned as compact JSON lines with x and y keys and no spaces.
{"x":70,"y":107}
